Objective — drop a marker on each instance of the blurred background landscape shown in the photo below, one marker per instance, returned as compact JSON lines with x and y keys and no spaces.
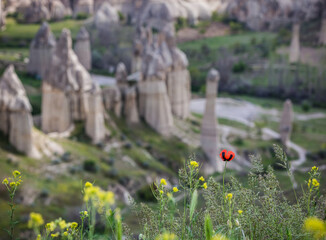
{"x":266,"y":52}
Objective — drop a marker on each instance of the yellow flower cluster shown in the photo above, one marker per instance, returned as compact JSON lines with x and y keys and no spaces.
{"x":194,"y":164}
{"x":202,"y":179}
{"x":99,"y":197}
{"x":316,"y":227}
{"x":163,"y":182}
{"x":12,"y":183}
{"x":240,"y":212}
{"x":35,"y":220}
{"x":175,"y":189}
{"x":166,"y":236}
{"x":205,"y":185}
{"x":229,"y":196}
{"x":313,"y":183}
{"x":314,"y":169}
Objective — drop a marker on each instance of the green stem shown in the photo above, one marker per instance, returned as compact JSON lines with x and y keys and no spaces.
{"x":12,"y":211}
{"x":224,"y":170}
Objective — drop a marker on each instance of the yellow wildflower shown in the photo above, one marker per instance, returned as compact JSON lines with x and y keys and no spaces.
{"x":220,"y":237}
{"x":315,"y":226}
{"x":205,"y":185}
{"x":161,"y":192}
{"x":65,"y":234}
{"x":229,"y":196}
{"x":194,"y":164}
{"x":50,"y":226}
{"x":74,"y":225}
{"x":54,"y":235}
{"x":315,"y":183}
{"x":5,"y":181}
{"x":166,"y":236}
{"x":202,"y":179}
{"x":314,"y":168}
{"x":88,"y":184}
{"x":163,"y":181}
{"x":16,"y":173}
{"x":38,"y":237}
{"x":240,"y":212}
{"x":12,"y":184}
{"x":85,"y":213}
{"x":62,"y":224}
{"x":175,"y":189}
{"x":35,"y":220}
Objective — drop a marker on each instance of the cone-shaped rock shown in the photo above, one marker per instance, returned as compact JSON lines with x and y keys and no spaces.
{"x":15,"y":113}
{"x":68,"y":90}
{"x":41,"y":51}
{"x":209,"y":134}
{"x":322,"y":34}
{"x":179,"y":85}
{"x":154,"y":104}
{"x":295,"y":44}
{"x":130,"y":106}
{"x":286,"y":122}
{"x":112,"y":99}
{"x":83,"y":48}
{"x":121,"y":76}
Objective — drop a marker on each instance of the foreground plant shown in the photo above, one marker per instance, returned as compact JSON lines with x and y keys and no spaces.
{"x":12,"y":184}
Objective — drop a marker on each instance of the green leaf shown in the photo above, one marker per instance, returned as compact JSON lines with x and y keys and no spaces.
{"x":208,"y":227}
{"x":193,"y":203}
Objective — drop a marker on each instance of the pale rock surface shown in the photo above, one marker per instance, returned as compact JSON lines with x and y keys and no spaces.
{"x":286,"y":123}
{"x":130,"y":106}
{"x":112,"y":99}
{"x":83,"y":48}
{"x":295,"y":44}
{"x":41,"y":51}
{"x":58,"y":10}
{"x":209,"y":134}
{"x":154,"y":104}
{"x":95,"y":127}
{"x":322,"y":34}
{"x":84,"y":7}
{"x":105,"y":16}
{"x":121,"y":76}
{"x":34,"y":11}
{"x":178,"y":83}
{"x":15,"y":113}
{"x":2,"y":17}
{"x":69,"y":93}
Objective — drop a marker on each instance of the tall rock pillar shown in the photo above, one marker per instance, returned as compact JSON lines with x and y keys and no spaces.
{"x":295,"y":44}
{"x":209,"y":135}
{"x":83,"y":48}
{"x":286,"y":123}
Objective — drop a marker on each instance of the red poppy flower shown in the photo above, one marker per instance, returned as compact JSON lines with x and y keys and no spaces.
{"x":227,"y":155}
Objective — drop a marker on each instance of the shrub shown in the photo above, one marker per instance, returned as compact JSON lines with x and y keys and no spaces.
{"x":306,"y":105}
{"x":239,"y":67}
{"x":121,"y":16}
{"x":235,"y":27}
{"x":82,"y":16}
{"x":180,"y":23}
{"x":90,"y":166}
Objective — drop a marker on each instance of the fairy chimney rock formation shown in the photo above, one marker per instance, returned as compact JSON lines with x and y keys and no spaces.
{"x":83,"y":48}
{"x":179,"y":85}
{"x":84,"y":7}
{"x":112,"y":99}
{"x":136,"y":61}
{"x":295,"y":44}
{"x":130,"y":106}
{"x":209,"y":135}
{"x":154,"y":104}
{"x":41,"y":51}
{"x":95,"y":127}
{"x":286,"y":123}
{"x":121,"y":76}
{"x":15,"y":113}
{"x":68,"y":92}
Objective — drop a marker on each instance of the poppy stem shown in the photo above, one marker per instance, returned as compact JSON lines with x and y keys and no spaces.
{"x":223,"y":177}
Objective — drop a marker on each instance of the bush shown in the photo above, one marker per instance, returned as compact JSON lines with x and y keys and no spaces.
{"x":235,"y":27}
{"x":239,"y":67}
{"x":121,"y":16}
{"x":82,"y":16}
{"x":90,"y":166}
{"x":180,"y":23}
{"x":306,"y":105}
